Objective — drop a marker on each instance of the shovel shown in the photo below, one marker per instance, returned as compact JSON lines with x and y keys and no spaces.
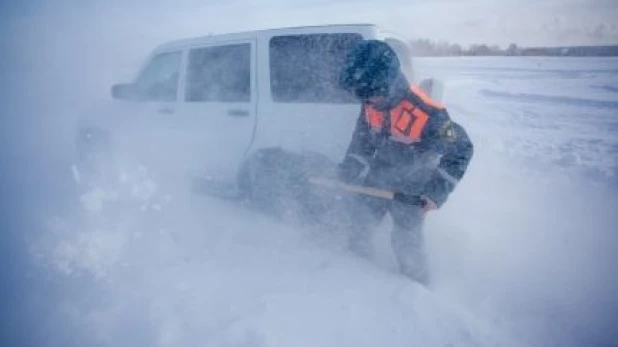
{"x":369,"y":191}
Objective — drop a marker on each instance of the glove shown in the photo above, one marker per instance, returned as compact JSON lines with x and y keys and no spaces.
{"x":428,"y":204}
{"x":353,"y":168}
{"x":440,"y":186}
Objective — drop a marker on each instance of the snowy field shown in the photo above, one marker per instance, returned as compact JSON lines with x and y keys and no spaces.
{"x":525,"y":253}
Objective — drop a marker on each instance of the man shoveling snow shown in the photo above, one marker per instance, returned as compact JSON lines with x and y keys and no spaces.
{"x":403,"y":142}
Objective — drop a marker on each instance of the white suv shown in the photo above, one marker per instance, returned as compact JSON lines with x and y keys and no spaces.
{"x":204,"y":107}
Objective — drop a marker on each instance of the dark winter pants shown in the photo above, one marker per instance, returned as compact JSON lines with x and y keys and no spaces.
{"x":407,"y":239}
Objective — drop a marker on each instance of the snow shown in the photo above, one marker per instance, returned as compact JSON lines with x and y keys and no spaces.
{"x":524,"y":253}
{"x":211,"y":273}
{"x":569,"y":122}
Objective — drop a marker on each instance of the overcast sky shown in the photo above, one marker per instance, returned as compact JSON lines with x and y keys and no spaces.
{"x":526,"y":22}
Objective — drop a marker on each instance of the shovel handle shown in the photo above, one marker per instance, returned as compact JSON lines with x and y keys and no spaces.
{"x":369,"y":191}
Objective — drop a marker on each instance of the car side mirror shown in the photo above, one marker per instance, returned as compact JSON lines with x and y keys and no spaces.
{"x":123,"y":91}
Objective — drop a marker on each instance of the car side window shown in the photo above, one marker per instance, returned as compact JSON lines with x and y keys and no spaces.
{"x":158,"y":81}
{"x":219,"y":74}
{"x":305,"y":68}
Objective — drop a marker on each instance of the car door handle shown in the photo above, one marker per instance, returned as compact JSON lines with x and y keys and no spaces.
{"x":238,"y":113}
{"x":166,"y":110}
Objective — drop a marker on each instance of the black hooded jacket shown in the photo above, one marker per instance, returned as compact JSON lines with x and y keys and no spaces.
{"x":431,"y":166}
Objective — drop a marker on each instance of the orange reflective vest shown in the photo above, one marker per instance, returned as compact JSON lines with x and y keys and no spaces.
{"x":407,"y":120}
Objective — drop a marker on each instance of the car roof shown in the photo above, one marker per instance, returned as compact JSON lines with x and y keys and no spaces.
{"x":176,"y":44}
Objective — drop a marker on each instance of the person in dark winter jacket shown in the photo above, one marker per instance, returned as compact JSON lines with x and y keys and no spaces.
{"x":405,"y":142}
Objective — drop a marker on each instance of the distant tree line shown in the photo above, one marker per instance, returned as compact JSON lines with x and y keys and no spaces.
{"x":425,"y":47}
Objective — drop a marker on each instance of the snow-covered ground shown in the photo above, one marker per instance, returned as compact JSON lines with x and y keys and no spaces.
{"x":524,"y":253}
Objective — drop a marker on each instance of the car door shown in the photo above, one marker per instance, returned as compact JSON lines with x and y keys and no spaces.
{"x":218,"y":109}
{"x":141,"y":131}
{"x":303,"y":105}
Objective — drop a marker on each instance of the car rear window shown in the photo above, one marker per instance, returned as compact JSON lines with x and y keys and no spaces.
{"x":305,"y":68}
